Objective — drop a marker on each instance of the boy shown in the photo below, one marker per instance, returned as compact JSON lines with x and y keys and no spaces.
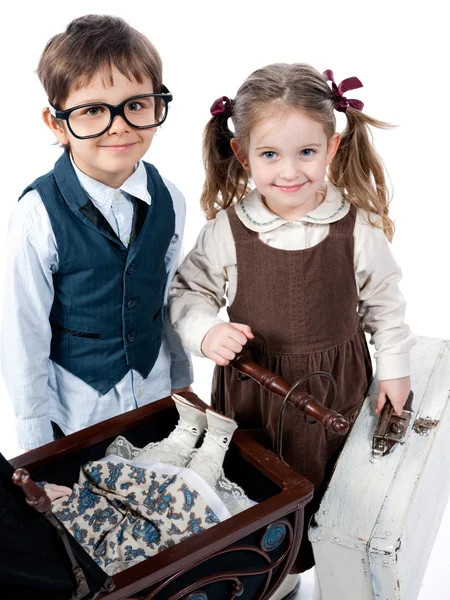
{"x":94,"y":244}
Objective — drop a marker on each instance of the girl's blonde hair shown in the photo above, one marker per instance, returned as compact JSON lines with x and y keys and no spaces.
{"x":356,"y":170}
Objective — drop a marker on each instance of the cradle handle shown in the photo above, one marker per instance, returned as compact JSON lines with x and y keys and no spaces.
{"x":331,"y":420}
{"x":34,"y":495}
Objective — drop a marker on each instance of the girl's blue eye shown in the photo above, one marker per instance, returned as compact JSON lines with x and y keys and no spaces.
{"x":307,"y":152}
{"x":269,"y":154}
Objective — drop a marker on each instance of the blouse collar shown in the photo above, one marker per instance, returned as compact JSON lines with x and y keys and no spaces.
{"x":255,"y":215}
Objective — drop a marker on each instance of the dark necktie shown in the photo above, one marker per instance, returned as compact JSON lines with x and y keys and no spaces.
{"x":90,"y":211}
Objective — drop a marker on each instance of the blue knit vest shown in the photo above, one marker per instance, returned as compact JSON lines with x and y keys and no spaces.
{"x":106,"y":316}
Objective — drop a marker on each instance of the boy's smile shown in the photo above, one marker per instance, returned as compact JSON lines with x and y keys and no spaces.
{"x":111,"y":157}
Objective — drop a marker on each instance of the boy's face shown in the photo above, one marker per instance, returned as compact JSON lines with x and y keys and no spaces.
{"x":111,"y":157}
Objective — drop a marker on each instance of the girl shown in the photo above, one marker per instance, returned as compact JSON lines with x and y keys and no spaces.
{"x":302,"y":258}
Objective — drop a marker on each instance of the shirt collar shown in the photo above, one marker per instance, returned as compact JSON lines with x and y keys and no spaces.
{"x":103,"y":195}
{"x":255,"y":215}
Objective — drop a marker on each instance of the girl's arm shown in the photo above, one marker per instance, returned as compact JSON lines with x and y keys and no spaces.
{"x":382,"y":311}
{"x":199,"y":292}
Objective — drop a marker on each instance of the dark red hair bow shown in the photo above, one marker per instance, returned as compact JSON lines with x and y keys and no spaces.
{"x":352,"y":83}
{"x":223,"y":106}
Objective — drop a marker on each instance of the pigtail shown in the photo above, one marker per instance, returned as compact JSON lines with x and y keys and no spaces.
{"x":358,"y":170}
{"x":226,"y":180}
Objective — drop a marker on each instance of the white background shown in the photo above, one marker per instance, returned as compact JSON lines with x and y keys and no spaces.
{"x":398,"y":49}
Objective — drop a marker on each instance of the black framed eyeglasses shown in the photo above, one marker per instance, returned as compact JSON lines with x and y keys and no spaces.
{"x":95,"y":118}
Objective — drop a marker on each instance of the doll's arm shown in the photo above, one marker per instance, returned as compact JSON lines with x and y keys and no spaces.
{"x":54,"y":492}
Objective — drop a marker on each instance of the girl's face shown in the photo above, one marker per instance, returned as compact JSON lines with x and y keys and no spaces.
{"x":287,"y":158}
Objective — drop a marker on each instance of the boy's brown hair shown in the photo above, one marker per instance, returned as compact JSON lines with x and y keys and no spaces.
{"x":93,"y":44}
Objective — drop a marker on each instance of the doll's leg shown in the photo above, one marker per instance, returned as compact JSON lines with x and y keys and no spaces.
{"x":191,"y":425}
{"x":208,"y":460}
{"x":176,"y":449}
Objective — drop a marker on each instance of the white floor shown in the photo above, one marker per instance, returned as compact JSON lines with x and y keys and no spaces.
{"x":436,"y":583}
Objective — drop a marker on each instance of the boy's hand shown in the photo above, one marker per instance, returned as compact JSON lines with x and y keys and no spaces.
{"x":396,"y":390}
{"x":224,"y":341}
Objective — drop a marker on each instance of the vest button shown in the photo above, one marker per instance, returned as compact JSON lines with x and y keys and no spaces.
{"x":130,"y":269}
{"x":131,"y":337}
{"x":131,"y":303}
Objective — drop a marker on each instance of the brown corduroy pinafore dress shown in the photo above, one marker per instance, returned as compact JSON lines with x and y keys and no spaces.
{"x":303,"y":303}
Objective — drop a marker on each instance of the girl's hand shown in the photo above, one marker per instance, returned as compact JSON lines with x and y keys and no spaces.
{"x":224,"y":341}
{"x":396,"y":390}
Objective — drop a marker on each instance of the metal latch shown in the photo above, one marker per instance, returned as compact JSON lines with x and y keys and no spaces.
{"x":423,"y":426}
{"x":391,"y":429}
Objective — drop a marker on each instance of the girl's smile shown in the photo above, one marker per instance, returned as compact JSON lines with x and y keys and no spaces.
{"x":289,"y":189}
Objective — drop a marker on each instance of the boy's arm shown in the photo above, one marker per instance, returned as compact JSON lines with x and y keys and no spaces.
{"x":181,"y":370}
{"x":26,"y":333}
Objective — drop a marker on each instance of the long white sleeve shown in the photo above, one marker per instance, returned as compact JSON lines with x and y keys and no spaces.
{"x":381,"y":304}
{"x":198,"y":290}
{"x":26,"y":331}
{"x":181,"y":370}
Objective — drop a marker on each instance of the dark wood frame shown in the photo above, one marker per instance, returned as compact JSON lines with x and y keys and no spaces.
{"x":284,"y":507}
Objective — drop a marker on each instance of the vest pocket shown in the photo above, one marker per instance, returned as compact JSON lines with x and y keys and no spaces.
{"x":81,"y":334}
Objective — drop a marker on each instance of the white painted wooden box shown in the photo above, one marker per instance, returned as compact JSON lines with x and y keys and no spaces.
{"x":377,"y":522}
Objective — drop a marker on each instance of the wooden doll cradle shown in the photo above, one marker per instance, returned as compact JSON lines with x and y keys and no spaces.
{"x":245,"y":556}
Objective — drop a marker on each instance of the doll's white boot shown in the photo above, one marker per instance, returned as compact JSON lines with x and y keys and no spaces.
{"x":208,"y":459}
{"x":176,"y":449}
{"x":191,"y":425}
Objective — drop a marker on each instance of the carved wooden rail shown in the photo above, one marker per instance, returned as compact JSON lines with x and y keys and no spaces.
{"x":330,"y":419}
{"x":37,"y":498}
{"x":34,"y":495}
